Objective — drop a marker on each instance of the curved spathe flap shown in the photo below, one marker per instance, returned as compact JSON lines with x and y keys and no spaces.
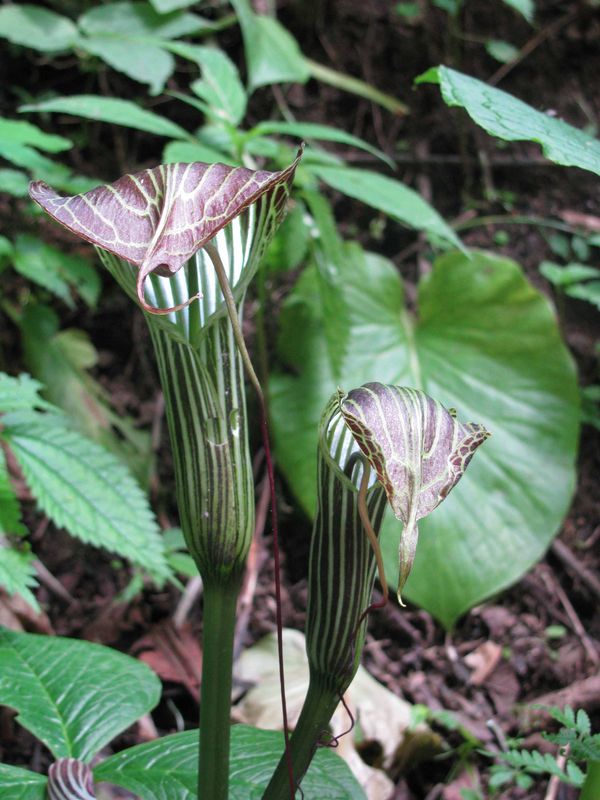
{"x":418,"y":449}
{"x":159,"y":218}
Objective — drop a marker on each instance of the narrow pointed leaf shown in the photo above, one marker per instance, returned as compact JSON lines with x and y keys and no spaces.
{"x":418,"y":449}
{"x":74,"y":696}
{"x":112,"y":110}
{"x":70,"y":779}
{"x":389,"y":195}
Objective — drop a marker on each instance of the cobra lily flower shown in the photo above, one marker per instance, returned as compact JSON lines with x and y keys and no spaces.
{"x":376,"y":443}
{"x":418,"y":449}
{"x":184,"y":241}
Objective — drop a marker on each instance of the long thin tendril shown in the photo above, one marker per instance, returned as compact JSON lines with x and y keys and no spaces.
{"x":213,"y":254}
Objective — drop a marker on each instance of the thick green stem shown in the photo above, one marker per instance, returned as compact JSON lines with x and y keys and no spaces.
{"x":591,"y":787}
{"x":220,"y":602}
{"x":317,"y":710}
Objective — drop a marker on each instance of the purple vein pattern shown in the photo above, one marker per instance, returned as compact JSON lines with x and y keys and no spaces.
{"x":70,"y":779}
{"x":158,"y":218}
{"x":418,"y":449}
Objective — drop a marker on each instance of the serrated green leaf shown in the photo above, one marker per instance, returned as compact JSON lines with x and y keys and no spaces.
{"x":74,"y":696}
{"x":485,"y":343}
{"x":17,"y":573}
{"x":18,"y":394}
{"x":60,"y":360}
{"x":84,"y":489}
{"x":21,"y":784}
{"x":112,"y":110}
{"x":36,"y":27}
{"x":166,"y":769}
{"x":10,"y":513}
{"x":508,"y":118}
{"x":272,"y":53}
{"x":524,"y":7}
{"x":388,"y":195}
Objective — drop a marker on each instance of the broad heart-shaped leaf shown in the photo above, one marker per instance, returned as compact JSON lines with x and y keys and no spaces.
{"x":167,"y":768}
{"x":74,"y":696}
{"x":159,"y":218}
{"x":418,"y":449}
{"x":21,"y":784}
{"x":486,"y":343}
{"x":84,"y":489}
{"x":508,"y":118}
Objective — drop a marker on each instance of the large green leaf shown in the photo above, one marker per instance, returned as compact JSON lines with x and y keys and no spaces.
{"x":37,"y":27}
{"x":387,"y":195}
{"x":129,"y":36}
{"x":85,"y":489}
{"x":167,"y":768}
{"x":486,"y":343}
{"x":272,"y":53}
{"x":113,"y":110}
{"x":74,"y":696}
{"x":508,"y":118}
{"x":21,"y":784}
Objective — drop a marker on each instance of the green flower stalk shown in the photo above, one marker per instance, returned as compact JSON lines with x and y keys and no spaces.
{"x":184,"y":240}
{"x":376,"y":443}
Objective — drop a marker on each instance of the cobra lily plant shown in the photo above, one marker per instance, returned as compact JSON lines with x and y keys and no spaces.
{"x":184,"y":241}
{"x":376,"y":442}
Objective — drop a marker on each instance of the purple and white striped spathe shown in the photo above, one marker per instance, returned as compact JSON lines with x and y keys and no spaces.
{"x":70,"y":779}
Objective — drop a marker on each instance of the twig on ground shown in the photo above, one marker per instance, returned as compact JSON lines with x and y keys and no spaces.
{"x":252,"y":569}
{"x":52,"y":583}
{"x":531,"y":45}
{"x":554,"y":782}
{"x":572,"y":562}
{"x":191,"y":593}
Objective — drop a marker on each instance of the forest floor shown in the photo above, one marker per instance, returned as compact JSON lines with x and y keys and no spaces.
{"x":540,"y":640}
